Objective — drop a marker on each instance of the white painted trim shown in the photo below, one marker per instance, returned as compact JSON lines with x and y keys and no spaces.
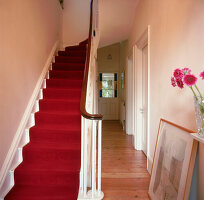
{"x":129,"y":95}
{"x":149,"y":93}
{"x":149,"y":164}
{"x":143,"y":41}
{"x":14,"y":155}
{"x":134,"y":92}
{"x":137,"y":94}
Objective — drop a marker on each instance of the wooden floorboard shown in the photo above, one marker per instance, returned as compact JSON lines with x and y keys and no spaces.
{"x":124,"y":170}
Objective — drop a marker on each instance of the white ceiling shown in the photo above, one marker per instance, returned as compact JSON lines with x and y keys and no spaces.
{"x":116,"y":20}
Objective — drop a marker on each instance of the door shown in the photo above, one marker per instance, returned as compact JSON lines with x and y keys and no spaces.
{"x":144,"y":109}
{"x":108,"y":96}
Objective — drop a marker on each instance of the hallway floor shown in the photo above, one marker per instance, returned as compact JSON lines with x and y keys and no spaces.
{"x":124,"y":174}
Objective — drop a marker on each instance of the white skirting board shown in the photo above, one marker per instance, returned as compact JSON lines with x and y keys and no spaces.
{"x":149,"y":164}
{"x":14,"y":156}
{"x":122,"y":114}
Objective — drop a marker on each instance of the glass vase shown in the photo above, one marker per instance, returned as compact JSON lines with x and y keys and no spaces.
{"x":199,"y":111}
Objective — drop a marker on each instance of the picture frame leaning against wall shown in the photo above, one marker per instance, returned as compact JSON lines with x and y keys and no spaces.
{"x":173,"y":163}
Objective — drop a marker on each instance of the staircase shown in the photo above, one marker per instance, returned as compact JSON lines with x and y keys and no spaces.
{"x":51,"y":161}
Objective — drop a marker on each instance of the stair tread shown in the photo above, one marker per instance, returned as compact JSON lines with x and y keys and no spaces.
{"x":49,"y":192}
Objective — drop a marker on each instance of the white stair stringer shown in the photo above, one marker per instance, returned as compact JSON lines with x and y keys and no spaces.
{"x":17,"y":159}
{"x":10,"y":183}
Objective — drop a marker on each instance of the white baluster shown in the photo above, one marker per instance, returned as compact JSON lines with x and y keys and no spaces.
{"x":94,"y":159}
{"x":82,"y":155}
{"x":85,"y":157}
{"x":99,"y":154}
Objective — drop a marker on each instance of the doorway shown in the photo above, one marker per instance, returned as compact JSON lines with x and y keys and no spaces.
{"x":141,"y":54}
{"x":144,"y":108}
{"x":108,"y":96}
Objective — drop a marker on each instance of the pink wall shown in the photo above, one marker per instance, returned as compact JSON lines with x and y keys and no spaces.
{"x":176,"y":40}
{"x":75,"y":21}
{"x":29,"y":30}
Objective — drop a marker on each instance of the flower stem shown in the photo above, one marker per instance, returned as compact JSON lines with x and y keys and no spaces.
{"x":199,"y":92}
{"x":194,"y":92}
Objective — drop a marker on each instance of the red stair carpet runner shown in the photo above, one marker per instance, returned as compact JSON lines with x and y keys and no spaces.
{"x":51,"y":161}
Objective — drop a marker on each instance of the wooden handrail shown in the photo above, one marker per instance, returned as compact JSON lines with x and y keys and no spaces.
{"x":83,"y":111}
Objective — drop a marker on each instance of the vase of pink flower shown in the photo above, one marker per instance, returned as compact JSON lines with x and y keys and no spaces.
{"x":182,"y":77}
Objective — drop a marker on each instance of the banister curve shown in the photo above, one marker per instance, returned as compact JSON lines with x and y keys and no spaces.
{"x":83,"y":111}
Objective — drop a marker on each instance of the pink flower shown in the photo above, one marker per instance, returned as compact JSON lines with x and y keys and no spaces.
{"x":173,"y":81}
{"x":186,"y":71}
{"x":178,"y":73}
{"x":190,"y":80}
{"x":179,"y":83}
{"x":202,"y":75}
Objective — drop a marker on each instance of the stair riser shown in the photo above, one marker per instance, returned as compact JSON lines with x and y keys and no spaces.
{"x":47,"y":178}
{"x":65,"y":59}
{"x":61,"y":94}
{"x":55,"y":119}
{"x":45,"y":193}
{"x":52,"y":83}
{"x":54,"y":139}
{"x":60,"y":107}
{"x":66,"y":75}
{"x":72,"y":53}
{"x":68,"y":67}
{"x":55,"y":136}
{"x":50,"y":156}
{"x":76,"y":48}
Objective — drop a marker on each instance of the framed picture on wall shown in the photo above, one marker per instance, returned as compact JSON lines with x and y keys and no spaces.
{"x":173,"y":163}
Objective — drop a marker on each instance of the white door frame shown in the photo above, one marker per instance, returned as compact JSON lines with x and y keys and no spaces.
{"x":137,"y":73}
{"x":129,"y":101}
